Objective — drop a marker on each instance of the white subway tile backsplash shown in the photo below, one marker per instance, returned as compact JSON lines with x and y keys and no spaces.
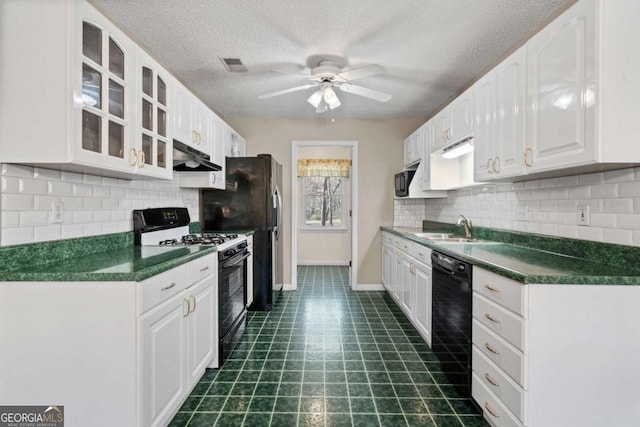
{"x":10,"y":185}
{"x":10,"y":219}
{"x":629,"y":189}
{"x":613,"y":198}
{"x":17,"y":202}
{"x":16,"y":236}
{"x":32,"y":186}
{"x":17,"y":170}
{"x":92,"y":204}
{"x":592,"y":178}
{"x":628,"y":221}
{"x":604,"y":191}
{"x":50,"y":232}
{"x":621,"y":175}
{"x":621,"y":205}
{"x":58,"y":188}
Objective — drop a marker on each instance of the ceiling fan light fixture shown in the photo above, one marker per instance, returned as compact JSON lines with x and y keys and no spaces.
{"x":315,"y":98}
{"x":331,"y":98}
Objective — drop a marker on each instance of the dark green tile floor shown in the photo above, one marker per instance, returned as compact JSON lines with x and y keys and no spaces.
{"x":327,"y":356}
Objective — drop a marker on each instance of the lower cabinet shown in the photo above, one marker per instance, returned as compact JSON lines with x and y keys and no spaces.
{"x":179,"y":339}
{"x":406,"y":275}
{"x":132,"y":350}
{"x":547,"y":355}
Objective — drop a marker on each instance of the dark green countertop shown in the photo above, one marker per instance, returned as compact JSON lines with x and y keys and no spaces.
{"x":111,"y":257}
{"x":533,"y":265}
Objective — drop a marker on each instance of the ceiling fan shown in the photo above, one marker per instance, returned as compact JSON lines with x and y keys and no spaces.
{"x":326,"y":76}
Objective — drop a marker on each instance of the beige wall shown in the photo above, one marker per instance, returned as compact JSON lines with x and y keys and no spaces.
{"x":379,"y":157}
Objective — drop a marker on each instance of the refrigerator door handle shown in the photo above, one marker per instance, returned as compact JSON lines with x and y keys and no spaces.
{"x":279,"y":213}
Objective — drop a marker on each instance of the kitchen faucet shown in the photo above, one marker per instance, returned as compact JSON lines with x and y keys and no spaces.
{"x":467,"y":226}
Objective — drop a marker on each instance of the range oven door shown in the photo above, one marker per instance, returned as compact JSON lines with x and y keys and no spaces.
{"x":232,"y":300}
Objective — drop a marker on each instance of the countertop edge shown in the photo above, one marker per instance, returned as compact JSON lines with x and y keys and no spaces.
{"x":511,"y":274}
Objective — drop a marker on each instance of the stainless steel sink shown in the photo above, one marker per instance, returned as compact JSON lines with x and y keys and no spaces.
{"x":433,"y":236}
{"x":457,"y":239}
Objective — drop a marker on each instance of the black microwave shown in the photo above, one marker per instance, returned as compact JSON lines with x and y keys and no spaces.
{"x":403,"y":179}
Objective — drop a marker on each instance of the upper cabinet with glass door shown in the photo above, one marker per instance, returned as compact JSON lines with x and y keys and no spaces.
{"x":153,"y":147}
{"x":69,"y":102}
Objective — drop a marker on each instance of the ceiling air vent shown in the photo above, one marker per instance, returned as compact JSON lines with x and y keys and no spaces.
{"x":234,"y":65}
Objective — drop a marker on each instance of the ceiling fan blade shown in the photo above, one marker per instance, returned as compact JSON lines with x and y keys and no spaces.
{"x":284,"y":92}
{"x":366,"y":71}
{"x":366,"y":92}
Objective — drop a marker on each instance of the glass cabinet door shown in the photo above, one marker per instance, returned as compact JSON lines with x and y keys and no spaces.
{"x":105,"y":118}
{"x":153,"y":132}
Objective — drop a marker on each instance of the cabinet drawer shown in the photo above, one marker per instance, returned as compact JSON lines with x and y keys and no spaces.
{"x":500,"y":352}
{"x":494,"y":411}
{"x":506,"y":292}
{"x":202,"y":267}
{"x":161,"y":287}
{"x":503,"y":322}
{"x":503,"y":387}
{"x":404,"y":245}
{"x":421,"y":253}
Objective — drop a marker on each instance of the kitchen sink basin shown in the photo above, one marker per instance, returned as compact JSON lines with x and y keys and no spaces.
{"x":433,"y":236}
{"x":457,"y":239}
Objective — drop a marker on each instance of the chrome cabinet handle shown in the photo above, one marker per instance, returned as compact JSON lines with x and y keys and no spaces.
{"x":490,"y":317}
{"x":166,"y":288}
{"x":491,"y":411}
{"x":491,"y":380}
{"x":490,"y":166}
{"x":496,"y":165}
{"x":204,"y":269}
{"x":491,"y":349}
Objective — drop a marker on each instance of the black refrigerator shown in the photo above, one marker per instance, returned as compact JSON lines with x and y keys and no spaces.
{"x":252,"y":201}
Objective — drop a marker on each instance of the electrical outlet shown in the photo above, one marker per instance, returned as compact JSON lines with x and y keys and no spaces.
{"x":583,"y":214}
{"x":57,"y":213}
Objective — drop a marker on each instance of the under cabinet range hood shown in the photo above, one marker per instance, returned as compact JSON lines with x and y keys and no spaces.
{"x":189,"y":159}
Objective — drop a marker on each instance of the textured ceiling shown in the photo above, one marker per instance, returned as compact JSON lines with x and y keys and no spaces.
{"x":430,"y":48}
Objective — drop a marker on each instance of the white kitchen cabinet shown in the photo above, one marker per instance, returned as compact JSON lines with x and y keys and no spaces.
{"x":499,"y":106}
{"x":422,"y":306}
{"x":164,"y":353}
{"x":235,"y":145}
{"x":137,"y":346}
{"x":582,"y":97}
{"x":185,"y":329}
{"x":221,"y":136}
{"x":406,"y":282}
{"x":406,"y":275}
{"x":68,"y":98}
{"x":192,"y":119}
{"x":153,"y":147}
{"x":562,"y":91}
{"x":536,"y":345}
{"x":454,"y":122}
{"x":413,"y":148}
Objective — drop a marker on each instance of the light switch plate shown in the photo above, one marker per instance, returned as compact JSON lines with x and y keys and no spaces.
{"x":523,"y":213}
{"x":583,"y":214}
{"x":57,"y":213}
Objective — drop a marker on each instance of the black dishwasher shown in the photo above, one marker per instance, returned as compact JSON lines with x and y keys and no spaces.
{"x":451,"y":319}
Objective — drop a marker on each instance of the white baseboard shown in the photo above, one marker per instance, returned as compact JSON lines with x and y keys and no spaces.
{"x":287,"y":287}
{"x":327,"y":263}
{"x":369,"y":287}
